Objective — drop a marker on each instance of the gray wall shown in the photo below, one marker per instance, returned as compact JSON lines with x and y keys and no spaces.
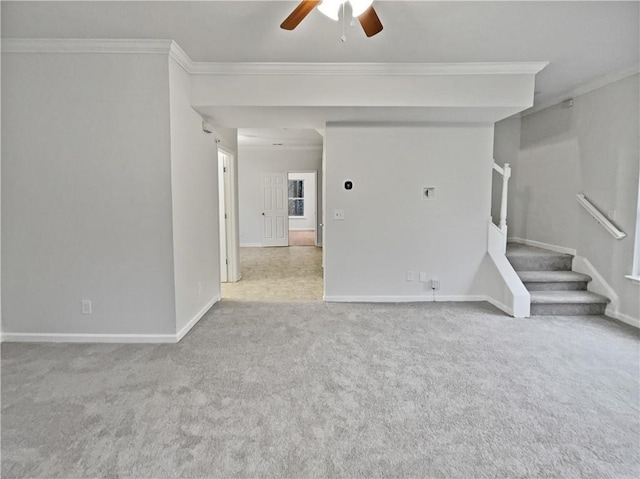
{"x":388,"y":228}
{"x":592,"y":148}
{"x":506,"y":149}
{"x":86,"y":194}
{"x":194,"y":192}
{"x":252,"y":163}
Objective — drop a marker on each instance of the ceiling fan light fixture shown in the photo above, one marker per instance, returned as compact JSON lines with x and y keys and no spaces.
{"x":330,"y":8}
{"x":358,"y":7}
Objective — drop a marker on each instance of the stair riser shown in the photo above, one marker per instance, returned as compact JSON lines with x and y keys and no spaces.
{"x":568,"y":309}
{"x":562,"y":286}
{"x":550,"y":263}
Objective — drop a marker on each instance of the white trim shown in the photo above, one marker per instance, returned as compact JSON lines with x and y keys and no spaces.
{"x":612,"y":229}
{"x":427,"y":298}
{"x":635,"y":279}
{"x":625,"y":318}
{"x":582,"y":89}
{"x":597,"y":284}
{"x":394,"y":69}
{"x":503,"y":307}
{"x":250,"y":245}
{"x":108,"y":338}
{"x":540,"y":244}
{"x":187,"y":327}
{"x":512,"y":290}
{"x":181,"y":58}
{"x":281,"y":147}
{"x":79,"y":45}
{"x":87,"y":338}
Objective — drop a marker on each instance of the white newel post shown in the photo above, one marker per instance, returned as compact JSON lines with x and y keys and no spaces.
{"x":505,"y":191}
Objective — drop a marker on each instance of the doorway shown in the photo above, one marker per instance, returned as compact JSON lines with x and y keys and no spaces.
{"x":229,"y":269}
{"x":302,"y":205}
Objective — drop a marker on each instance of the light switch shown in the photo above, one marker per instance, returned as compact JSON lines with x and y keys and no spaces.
{"x":338,"y":214}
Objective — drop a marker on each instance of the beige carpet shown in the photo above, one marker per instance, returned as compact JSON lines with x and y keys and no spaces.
{"x":291,"y":273}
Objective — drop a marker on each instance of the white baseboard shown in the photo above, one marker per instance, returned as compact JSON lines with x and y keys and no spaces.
{"x":597,"y":284}
{"x":502,"y":307}
{"x":187,"y":327}
{"x":403,"y":299}
{"x":250,"y":245}
{"x":540,"y":244}
{"x":86,"y":338}
{"x":625,"y":318}
{"x":107,"y":338}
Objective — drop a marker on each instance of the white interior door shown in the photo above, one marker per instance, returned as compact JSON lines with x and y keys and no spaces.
{"x":275,"y":210}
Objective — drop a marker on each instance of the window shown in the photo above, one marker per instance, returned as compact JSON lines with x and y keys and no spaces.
{"x":296,"y":198}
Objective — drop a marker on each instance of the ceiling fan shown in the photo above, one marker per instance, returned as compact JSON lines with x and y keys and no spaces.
{"x":362,"y":10}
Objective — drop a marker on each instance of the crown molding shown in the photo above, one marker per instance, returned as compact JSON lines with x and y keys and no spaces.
{"x":587,"y":87}
{"x":181,"y":58}
{"x":281,"y":147}
{"x":393,"y":69}
{"x":79,"y":45}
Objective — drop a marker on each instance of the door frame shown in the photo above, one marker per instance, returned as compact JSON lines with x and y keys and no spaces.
{"x":231,"y":207}
{"x":223,"y":216}
{"x":315,"y":213}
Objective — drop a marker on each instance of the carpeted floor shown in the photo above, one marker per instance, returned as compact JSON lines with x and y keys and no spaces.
{"x":303,"y":390}
{"x":280,"y":274}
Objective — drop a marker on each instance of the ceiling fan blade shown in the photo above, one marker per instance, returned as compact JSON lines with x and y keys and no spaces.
{"x":300,"y":12}
{"x":370,"y":22}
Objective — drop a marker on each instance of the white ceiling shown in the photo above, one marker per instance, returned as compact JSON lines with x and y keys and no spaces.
{"x":582,"y":40}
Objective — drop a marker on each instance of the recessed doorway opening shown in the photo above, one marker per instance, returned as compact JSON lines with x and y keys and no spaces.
{"x":302,"y":200}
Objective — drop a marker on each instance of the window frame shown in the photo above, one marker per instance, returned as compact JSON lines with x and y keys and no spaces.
{"x":300,"y":198}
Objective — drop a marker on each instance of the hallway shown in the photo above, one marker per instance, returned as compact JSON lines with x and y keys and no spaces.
{"x":285,"y":274}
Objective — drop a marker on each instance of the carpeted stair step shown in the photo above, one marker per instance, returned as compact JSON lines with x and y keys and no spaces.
{"x":567,"y":303}
{"x":554,"y":280}
{"x":529,"y":258}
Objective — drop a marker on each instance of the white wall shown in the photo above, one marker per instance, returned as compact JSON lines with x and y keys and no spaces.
{"x":389,"y":229}
{"x":592,"y":148}
{"x":194,"y":187}
{"x":308,"y":221}
{"x":506,"y":149}
{"x":86,"y":194}
{"x":252,"y":163}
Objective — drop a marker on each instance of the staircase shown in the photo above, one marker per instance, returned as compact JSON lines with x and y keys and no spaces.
{"x":554,"y":288}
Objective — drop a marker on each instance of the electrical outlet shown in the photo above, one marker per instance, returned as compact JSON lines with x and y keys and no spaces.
{"x":409,"y":275}
{"x":338,"y":214}
{"x":86,"y":306}
{"x":199,"y":288}
{"x":423,"y":277}
{"x":435,"y":284}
